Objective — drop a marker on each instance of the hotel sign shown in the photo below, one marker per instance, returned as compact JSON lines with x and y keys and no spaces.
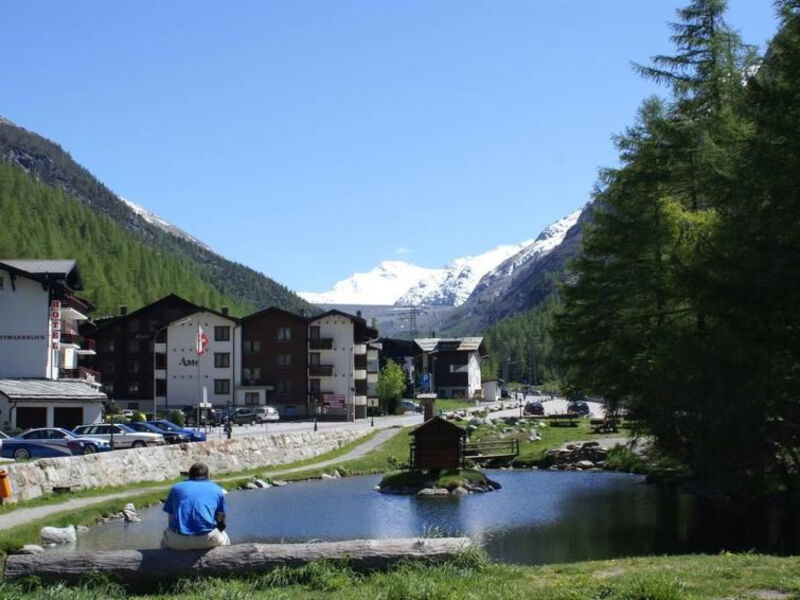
{"x":333,"y":400}
{"x":55,"y":324}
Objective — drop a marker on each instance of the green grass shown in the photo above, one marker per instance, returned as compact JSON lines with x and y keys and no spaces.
{"x":530,"y":453}
{"x":448,"y":404}
{"x":693,"y":577}
{"x":446,"y":479}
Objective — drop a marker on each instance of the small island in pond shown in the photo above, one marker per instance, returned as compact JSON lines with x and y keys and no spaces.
{"x":424,"y":482}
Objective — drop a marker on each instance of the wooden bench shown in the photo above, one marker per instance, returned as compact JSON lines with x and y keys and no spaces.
{"x":604,"y":425}
{"x":563,"y":420}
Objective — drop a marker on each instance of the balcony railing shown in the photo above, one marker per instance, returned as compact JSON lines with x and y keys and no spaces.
{"x":320,"y":371}
{"x":321,"y":344}
{"x":68,"y":337}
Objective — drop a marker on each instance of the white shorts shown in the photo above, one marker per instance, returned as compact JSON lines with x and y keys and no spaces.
{"x":175,"y":541}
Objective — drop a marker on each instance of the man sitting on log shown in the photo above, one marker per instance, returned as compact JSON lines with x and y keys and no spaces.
{"x":196,"y":510}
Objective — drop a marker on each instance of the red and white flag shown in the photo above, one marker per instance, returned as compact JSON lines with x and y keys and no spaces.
{"x":202,"y":340}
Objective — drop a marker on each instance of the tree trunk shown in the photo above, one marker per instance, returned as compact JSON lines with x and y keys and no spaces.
{"x":144,"y":568}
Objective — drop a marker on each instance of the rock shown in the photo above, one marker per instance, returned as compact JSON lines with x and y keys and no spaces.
{"x":130,"y":516}
{"x":81,"y":529}
{"x":58,"y":535}
{"x":433,"y":492}
{"x":278,"y":483}
{"x":30,"y":549}
{"x":326,"y":476}
{"x":585,"y":464}
{"x":459,"y":491}
{"x":261,"y":483}
{"x":590,"y":444}
{"x":129,"y":506}
{"x":336,"y":474}
{"x":534,"y":437}
{"x":250,"y":485}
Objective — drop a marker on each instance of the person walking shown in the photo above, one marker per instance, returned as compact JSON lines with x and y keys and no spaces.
{"x":197,"y":509}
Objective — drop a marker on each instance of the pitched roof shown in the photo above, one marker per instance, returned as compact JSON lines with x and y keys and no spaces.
{"x":466,"y":344}
{"x":438,"y":423}
{"x":105,"y":322}
{"x":59,"y":271}
{"x":47,"y":389}
{"x":273,"y":309}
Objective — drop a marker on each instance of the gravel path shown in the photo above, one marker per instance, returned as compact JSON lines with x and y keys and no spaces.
{"x":25,"y":515}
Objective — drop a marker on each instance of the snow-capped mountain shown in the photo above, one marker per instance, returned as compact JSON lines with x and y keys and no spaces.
{"x":382,"y":285}
{"x":405,"y":284}
{"x":547,"y":240}
{"x":162,"y":224}
{"x":453,"y":284}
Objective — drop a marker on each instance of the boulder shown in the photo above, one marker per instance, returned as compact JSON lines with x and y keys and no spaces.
{"x":433,"y":492}
{"x":278,"y":483}
{"x":81,"y":529}
{"x":261,"y":483}
{"x":130,"y":516}
{"x":58,"y":535}
{"x":251,"y":485}
{"x":326,"y":476}
{"x":585,"y":464}
{"x":30,"y":549}
{"x":459,"y":491}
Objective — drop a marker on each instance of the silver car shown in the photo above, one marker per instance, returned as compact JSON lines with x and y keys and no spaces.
{"x":124,"y":436}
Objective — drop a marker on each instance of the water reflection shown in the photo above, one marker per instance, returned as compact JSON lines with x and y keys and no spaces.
{"x":538,"y":517}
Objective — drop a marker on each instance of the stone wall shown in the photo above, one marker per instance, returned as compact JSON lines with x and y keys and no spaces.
{"x":124,"y":467}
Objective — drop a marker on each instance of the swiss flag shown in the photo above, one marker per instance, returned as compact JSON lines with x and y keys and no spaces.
{"x":202,"y":340}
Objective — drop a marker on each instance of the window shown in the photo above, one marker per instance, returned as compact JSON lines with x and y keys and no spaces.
{"x":161,"y":390}
{"x":133,"y":388}
{"x":251,"y":373}
{"x":284,"y":360}
{"x":133,"y":367}
{"x":252,"y":345}
{"x":222,"y":360}
{"x":222,"y":386}
{"x":251,"y":398}
{"x":108,"y":367}
{"x":313,"y":359}
{"x":284,"y":387}
{"x":314,"y":386}
{"x":313,"y":332}
{"x":222,"y":333}
{"x":133,"y":346}
{"x":108,"y":346}
{"x":284,"y":334}
{"x":1,"y":283}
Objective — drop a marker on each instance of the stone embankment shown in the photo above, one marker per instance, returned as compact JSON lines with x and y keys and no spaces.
{"x":163,"y":463}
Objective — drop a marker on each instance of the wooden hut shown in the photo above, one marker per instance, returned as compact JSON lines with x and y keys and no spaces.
{"x":437,"y":445}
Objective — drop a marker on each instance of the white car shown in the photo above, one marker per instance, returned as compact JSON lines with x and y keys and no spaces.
{"x":124,"y":436}
{"x":266,"y":413}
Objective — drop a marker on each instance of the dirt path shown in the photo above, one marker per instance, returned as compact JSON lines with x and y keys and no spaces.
{"x":26,"y":515}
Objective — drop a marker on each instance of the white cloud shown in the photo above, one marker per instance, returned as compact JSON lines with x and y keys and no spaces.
{"x":403,"y":250}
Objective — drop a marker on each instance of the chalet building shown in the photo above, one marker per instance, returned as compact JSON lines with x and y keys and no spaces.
{"x":41,"y":384}
{"x":451,"y":367}
{"x":273,"y":362}
{"x":337,"y":364}
{"x":195,"y":363}
{"x":126,"y":354}
{"x":401,"y":352}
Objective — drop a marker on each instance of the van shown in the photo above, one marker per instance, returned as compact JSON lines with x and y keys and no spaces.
{"x":266,"y":413}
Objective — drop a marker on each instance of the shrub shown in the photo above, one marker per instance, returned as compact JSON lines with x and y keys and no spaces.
{"x":177,"y":417}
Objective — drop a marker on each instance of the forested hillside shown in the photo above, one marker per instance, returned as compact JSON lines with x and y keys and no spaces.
{"x":684,"y":309}
{"x":48,"y":163}
{"x":39,"y":221}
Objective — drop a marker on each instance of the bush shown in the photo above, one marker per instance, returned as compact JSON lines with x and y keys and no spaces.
{"x":139,"y":418}
{"x":177,"y":417}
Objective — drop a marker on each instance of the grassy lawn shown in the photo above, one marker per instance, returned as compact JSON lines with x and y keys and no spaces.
{"x":552,"y":437}
{"x":448,"y":404}
{"x":696,"y":577}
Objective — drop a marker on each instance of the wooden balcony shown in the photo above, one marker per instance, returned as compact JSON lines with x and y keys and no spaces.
{"x":321,"y":344}
{"x":320,"y":371}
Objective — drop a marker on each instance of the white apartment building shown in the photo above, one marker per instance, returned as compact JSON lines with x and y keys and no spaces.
{"x":337,"y":364}
{"x":40,"y":381}
{"x":199,"y":361}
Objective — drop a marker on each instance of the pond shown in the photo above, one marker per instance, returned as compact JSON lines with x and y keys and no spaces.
{"x":538,"y":517}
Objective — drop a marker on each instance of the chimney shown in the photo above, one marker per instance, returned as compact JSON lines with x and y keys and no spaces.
{"x":123,"y":310}
{"x":225,"y":310}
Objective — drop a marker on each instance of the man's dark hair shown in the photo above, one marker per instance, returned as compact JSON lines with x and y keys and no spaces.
{"x":198,"y":470}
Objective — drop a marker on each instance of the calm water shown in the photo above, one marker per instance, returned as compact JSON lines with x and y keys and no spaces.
{"x":538,"y":517}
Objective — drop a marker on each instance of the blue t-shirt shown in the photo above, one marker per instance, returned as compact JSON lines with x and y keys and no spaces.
{"x":192,"y":506}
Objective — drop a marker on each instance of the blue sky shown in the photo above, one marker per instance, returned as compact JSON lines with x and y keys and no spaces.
{"x":310,"y":140}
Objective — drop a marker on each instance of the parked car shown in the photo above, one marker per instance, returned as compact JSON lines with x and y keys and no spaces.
{"x":408,"y":406}
{"x":267,"y":413}
{"x":534,"y":408}
{"x":49,"y":442}
{"x":194,"y":435}
{"x":208,"y":416}
{"x":170,"y":437}
{"x":124,"y":436}
{"x":579,"y":407}
{"x":241,"y":416}
{"x":3,"y":436}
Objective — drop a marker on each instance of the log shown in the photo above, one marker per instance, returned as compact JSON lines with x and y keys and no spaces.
{"x":146,"y":568}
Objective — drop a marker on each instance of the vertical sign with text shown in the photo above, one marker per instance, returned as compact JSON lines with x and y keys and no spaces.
{"x":55,"y":324}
